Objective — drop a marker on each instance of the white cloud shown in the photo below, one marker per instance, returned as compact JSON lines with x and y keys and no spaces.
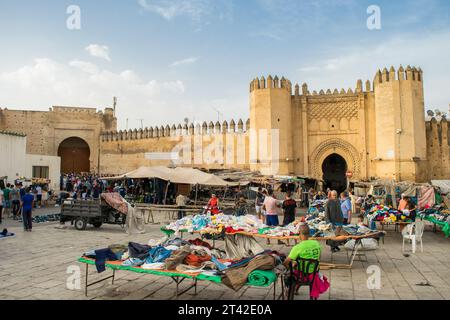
{"x":196,"y":10}
{"x":347,"y":64}
{"x":190,"y":60}
{"x":78,"y":83}
{"x":98,"y":51}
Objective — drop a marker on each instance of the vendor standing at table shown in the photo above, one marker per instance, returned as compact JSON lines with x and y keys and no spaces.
{"x":213,"y":205}
{"x":346,"y":208}
{"x":333,"y":213}
{"x":270,"y":206}
{"x":181,"y":202}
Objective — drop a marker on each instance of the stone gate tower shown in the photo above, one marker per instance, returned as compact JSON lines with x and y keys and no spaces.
{"x":376,"y":131}
{"x":271,"y":145}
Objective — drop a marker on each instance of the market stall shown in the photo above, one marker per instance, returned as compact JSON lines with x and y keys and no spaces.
{"x":180,"y":260}
{"x":229,"y":227}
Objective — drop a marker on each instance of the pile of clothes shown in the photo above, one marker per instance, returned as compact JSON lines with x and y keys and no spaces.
{"x":316,"y":207}
{"x":216,"y":224}
{"x":388,"y":215}
{"x":45,"y":218}
{"x":192,"y":257}
{"x":438,"y":217}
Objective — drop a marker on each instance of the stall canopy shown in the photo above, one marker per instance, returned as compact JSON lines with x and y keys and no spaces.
{"x":443,"y":185}
{"x":177,"y":175}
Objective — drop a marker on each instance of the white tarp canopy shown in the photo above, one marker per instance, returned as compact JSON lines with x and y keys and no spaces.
{"x":444,"y":185}
{"x":176,"y":175}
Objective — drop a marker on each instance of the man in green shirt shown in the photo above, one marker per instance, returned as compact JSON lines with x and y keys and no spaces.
{"x":306,"y":249}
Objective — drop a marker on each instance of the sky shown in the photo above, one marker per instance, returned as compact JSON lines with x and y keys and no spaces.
{"x":170,"y":60}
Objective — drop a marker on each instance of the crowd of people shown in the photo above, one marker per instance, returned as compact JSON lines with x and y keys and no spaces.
{"x":18,"y":201}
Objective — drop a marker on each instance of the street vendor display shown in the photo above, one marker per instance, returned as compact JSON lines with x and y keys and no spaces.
{"x":180,"y":259}
{"x":388,"y":215}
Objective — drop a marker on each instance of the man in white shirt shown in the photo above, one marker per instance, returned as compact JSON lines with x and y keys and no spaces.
{"x":39,"y":195}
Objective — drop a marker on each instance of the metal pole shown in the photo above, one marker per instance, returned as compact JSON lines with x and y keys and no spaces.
{"x":196,"y":194}
{"x":167,"y":190}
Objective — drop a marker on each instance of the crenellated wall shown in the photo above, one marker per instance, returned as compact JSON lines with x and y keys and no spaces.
{"x":207,"y":146}
{"x":438,"y":148}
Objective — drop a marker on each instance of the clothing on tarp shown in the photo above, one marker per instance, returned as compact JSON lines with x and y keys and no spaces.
{"x":235,"y":278}
{"x":101,"y":256}
{"x":135,"y":223}
{"x":239,"y":246}
{"x":426,"y":197}
{"x":138,"y":251}
{"x":177,"y":258}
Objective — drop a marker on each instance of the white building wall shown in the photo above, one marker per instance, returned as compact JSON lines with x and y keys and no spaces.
{"x":13,"y":156}
{"x":15,"y":163}
{"x":53,"y":164}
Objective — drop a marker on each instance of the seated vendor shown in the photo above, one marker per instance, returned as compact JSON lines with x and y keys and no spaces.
{"x":308,"y":249}
{"x":213,"y":205}
{"x":241,"y":206}
{"x":403,"y":203}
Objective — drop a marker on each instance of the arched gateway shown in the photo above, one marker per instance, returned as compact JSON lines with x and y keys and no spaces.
{"x":74,"y":153}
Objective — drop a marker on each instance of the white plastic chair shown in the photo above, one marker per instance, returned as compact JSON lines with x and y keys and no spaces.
{"x":414,"y":233}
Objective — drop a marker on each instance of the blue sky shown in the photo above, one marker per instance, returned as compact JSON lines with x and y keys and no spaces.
{"x":167,"y":60}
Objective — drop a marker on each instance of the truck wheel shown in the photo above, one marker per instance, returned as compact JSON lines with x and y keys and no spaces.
{"x":80,"y":224}
{"x":97,"y":224}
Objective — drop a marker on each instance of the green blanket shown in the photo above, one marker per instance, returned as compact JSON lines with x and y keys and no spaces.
{"x":261,"y":278}
{"x":445,"y":225}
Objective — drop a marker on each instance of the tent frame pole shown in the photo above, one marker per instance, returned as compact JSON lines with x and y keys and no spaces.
{"x":167,"y":190}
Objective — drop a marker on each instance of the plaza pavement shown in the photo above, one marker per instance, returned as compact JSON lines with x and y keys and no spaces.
{"x":34,"y":266}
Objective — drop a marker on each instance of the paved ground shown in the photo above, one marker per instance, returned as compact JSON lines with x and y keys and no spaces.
{"x":34,"y":266}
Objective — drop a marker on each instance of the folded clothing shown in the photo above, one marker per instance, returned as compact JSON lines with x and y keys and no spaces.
{"x":236,"y":277}
{"x":262,"y":278}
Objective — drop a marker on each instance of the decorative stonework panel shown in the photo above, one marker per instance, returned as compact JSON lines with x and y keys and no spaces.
{"x":333,"y":109}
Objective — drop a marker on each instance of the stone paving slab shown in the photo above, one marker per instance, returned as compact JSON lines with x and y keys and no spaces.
{"x":34,"y":266}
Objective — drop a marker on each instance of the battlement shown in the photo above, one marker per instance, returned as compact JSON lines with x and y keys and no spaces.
{"x":410,"y":74}
{"x":178,"y":131}
{"x":335,"y":92}
{"x":63,"y":109}
{"x":270,"y":83}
